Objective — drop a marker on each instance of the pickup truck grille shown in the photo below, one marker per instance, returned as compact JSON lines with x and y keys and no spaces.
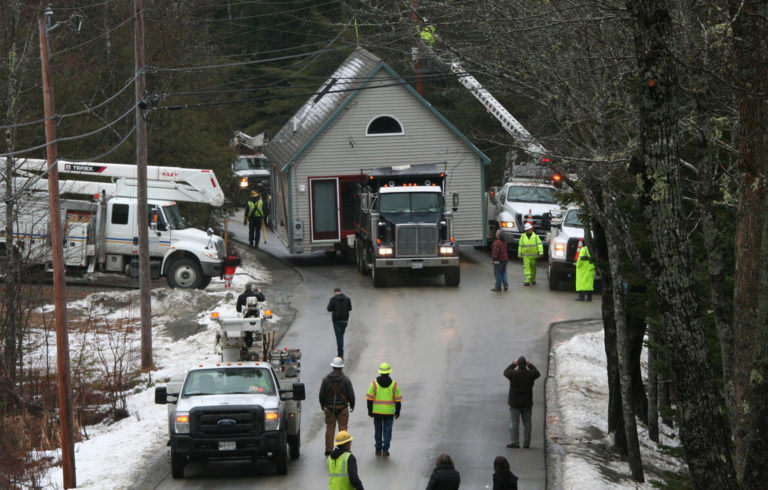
{"x":541,"y":224}
{"x":570,"y":250}
{"x":416,"y":240}
{"x":228,"y":420}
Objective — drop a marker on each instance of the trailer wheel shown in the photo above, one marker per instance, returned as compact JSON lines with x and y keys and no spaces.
{"x":280,"y":458}
{"x":185,"y":274}
{"x":380,"y":277}
{"x":453,"y":277}
{"x":177,"y":464}
{"x":294,"y":442}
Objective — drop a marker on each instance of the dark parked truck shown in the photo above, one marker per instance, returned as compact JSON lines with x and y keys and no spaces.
{"x":402,"y":224}
{"x":234,"y":410}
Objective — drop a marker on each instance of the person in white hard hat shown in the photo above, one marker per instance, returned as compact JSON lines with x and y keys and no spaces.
{"x":529,"y":249}
{"x":337,"y":399}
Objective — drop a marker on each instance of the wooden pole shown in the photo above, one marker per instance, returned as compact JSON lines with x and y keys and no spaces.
{"x":59,"y":289}
{"x":145,"y":276}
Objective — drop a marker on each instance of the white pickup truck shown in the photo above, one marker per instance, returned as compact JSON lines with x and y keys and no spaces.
{"x":235,"y":410}
{"x":562,"y":251}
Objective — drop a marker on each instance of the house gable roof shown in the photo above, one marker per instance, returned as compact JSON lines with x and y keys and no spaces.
{"x":310,"y":121}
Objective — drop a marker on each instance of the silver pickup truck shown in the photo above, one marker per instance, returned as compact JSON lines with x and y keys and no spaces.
{"x":235,"y":410}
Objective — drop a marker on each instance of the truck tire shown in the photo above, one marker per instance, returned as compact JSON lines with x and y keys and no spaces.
{"x":294,"y":443}
{"x":362,"y":266}
{"x":554,"y":281}
{"x":184,"y":274}
{"x":177,"y":464}
{"x":280,"y":458}
{"x":205,"y":282}
{"x":453,"y":277}
{"x":380,"y":277}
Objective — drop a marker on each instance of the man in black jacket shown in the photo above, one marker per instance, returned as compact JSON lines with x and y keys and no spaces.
{"x":243,"y":298}
{"x":339,"y":306}
{"x":521,"y":375}
{"x":337,"y":399}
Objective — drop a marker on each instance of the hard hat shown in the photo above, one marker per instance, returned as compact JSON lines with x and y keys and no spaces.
{"x":338,"y":362}
{"x":343,"y":437}
{"x":528,"y":226}
{"x":254,"y":193}
{"x":384,"y":368}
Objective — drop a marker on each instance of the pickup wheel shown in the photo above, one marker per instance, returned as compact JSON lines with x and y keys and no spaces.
{"x":178,"y":462}
{"x":294,"y":443}
{"x":280,"y":458}
{"x":380,"y":277}
{"x":185,"y":274}
{"x":205,"y":282}
{"x":453,"y":277}
{"x":554,"y":282}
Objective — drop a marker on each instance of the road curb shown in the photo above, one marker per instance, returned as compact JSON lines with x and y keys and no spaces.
{"x":554,"y":449}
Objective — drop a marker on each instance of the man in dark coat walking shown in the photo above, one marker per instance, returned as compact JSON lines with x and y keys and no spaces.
{"x":339,"y":306}
{"x":337,"y":399}
{"x":521,"y":375}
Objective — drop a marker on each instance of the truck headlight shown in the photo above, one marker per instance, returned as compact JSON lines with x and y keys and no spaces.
{"x":386,"y":251}
{"x":181,"y":423}
{"x":447,"y":250}
{"x":243,"y":183}
{"x":558,"y":251}
{"x":271,"y":419}
{"x":508,"y":225}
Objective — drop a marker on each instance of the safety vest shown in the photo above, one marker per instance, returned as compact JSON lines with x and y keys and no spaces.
{"x":585,"y":271}
{"x":428,"y":35}
{"x":256,"y":209}
{"x":384,"y":399}
{"x":530,"y":247}
{"x":338,"y":473}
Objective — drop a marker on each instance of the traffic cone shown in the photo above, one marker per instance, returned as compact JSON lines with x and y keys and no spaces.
{"x":578,"y":249}
{"x":530,"y":216}
{"x":230,"y":266}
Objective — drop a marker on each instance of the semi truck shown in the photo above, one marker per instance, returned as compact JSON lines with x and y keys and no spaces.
{"x":100,"y":231}
{"x":404,"y":224}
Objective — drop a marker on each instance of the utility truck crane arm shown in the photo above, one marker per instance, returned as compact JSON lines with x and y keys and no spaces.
{"x":165,"y":183}
{"x":508,"y":122}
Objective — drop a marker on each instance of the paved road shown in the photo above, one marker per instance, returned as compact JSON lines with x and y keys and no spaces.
{"x":447,"y":347}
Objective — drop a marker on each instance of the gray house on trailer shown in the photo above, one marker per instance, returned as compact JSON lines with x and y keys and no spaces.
{"x":365,"y":116}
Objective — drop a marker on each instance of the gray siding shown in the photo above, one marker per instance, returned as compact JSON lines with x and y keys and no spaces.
{"x":344,"y":149}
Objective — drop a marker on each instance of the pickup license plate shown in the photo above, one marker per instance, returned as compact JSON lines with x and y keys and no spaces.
{"x":417,"y":265}
{"x":227,"y":446}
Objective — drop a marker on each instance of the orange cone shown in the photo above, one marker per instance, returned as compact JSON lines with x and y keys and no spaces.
{"x":578,"y":249}
{"x":530,"y":216}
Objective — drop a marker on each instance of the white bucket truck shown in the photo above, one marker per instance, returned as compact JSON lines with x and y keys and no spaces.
{"x":101,"y":233}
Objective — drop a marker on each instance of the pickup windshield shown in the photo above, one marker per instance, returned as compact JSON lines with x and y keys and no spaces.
{"x":411,"y":202}
{"x":251,"y":163}
{"x":175,"y":220}
{"x":573,"y":219}
{"x":529,"y":193}
{"x":224,"y":381}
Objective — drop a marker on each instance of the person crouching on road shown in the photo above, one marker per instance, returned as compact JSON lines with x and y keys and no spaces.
{"x":530,"y":249}
{"x":503,"y":478}
{"x":444,"y":476}
{"x":499,"y":257}
{"x":337,"y":400}
{"x":342,"y":466}
{"x":384,"y":401}
{"x":241,"y":306}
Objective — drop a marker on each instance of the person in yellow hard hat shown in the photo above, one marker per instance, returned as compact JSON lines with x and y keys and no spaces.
{"x":384,"y":400}
{"x":342,"y":466}
{"x":254,"y":217}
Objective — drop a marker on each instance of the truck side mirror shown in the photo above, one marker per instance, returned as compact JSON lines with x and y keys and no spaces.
{"x":455,"y":197}
{"x":161,"y":395}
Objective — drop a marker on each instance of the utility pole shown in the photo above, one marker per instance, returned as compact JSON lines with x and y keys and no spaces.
{"x":145,"y":285}
{"x":57,"y":248}
{"x":418,"y":56}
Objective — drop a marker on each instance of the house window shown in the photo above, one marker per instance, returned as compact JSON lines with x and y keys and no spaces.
{"x":384,"y":125}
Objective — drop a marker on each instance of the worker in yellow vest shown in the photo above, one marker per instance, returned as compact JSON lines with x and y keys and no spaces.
{"x":342,"y":466}
{"x":384,"y":401}
{"x":530,"y":249}
{"x":585,"y":274}
{"x":254,"y":217}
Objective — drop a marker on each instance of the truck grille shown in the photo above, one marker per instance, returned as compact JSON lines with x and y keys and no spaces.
{"x":416,"y":240}
{"x":541,"y":224}
{"x":224,"y":421}
{"x":570,"y":250}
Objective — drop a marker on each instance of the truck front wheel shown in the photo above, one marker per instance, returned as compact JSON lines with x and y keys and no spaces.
{"x":185,"y":274}
{"x":554,"y":280}
{"x":453,"y":277}
{"x":178,"y":462}
{"x":294,"y":442}
{"x":380,"y":277}
{"x":280,"y":458}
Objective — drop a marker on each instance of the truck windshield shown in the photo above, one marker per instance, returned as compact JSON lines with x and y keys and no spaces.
{"x":411,"y":202}
{"x":175,"y":220}
{"x":529,"y":193}
{"x":229,"y":381}
{"x":573,"y":219}
{"x":251,"y":163}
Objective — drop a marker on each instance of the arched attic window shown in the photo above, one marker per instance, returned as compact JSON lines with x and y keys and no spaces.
{"x":384,"y":125}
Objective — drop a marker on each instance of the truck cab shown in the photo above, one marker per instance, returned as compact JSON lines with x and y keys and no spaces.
{"x":233,"y":410}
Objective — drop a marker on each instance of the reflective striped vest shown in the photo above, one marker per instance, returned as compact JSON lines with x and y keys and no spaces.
{"x":338,"y":473}
{"x":530,"y":247}
{"x":384,"y":399}
{"x":256,"y":209}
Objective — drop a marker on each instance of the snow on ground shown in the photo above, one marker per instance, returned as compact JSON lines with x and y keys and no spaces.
{"x":582,"y":391}
{"x":122,"y":447}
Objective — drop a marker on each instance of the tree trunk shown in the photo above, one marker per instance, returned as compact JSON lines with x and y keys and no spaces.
{"x":703,"y":429}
